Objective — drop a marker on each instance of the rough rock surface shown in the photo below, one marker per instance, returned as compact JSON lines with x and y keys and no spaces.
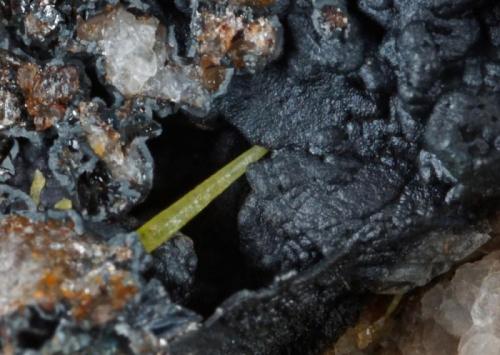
{"x":62,"y":286}
{"x":389,"y":127}
{"x":175,"y":264}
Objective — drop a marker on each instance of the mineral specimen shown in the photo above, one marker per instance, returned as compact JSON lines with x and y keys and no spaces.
{"x":142,"y":56}
{"x":382,"y":122}
{"x":68,"y":284}
{"x":47,"y":91}
{"x":457,"y":316}
{"x":45,"y":262}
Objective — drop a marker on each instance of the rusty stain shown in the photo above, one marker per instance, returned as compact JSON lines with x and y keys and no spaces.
{"x":53,"y":264}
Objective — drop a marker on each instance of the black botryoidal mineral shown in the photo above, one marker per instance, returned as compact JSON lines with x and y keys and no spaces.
{"x":383,"y":118}
{"x":175,"y":264}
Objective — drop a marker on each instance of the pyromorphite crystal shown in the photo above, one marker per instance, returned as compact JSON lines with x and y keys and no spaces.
{"x":164,"y":225}
{"x":64,"y":204}
{"x":37,"y":186}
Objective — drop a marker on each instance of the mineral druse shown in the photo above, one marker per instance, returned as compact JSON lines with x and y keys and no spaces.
{"x":382,"y":118}
{"x":458,"y":316}
{"x":466,"y":309}
{"x":46,"y":262}
{"x":59,"y":283}
{"x":142,"y":58}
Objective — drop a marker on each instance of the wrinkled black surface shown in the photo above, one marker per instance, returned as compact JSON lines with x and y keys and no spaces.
{"x":369,"y":156}
{"x":350,"y":135}
{"x":273,"y":320}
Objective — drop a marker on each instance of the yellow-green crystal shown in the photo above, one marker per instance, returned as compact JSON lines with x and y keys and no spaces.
{"x":37,"y":186}
{"x":165,"y":224}
{"x":64,"y":204}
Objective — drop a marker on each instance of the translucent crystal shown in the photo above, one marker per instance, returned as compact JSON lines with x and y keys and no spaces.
{"x":477,"y":342}
{"x":465,"y":309}
{"x":458,"y":316}
{"x":486,"y":310}
{"x":128,"y":45}
{"x":140,"y":61}
{"x":141,"y":54}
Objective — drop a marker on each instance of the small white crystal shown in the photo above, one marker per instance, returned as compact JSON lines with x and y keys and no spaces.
{"x":128,"y":45}
{"x":486,"y":309}
{"x":458,"y":316}
{"x":479,"y":343}
{"x":9,"y":109}
{"x":466,"y":283}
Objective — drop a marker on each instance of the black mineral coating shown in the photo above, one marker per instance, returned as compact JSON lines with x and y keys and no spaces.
{"x":349,"y":134}
{"x":369,"y":157}
{"x":175,"y":264}
{"x":382,"y":117}
{"x":463,"y":133}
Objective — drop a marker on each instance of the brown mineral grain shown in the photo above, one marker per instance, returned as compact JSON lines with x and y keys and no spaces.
{"x":334,"y":17}
{"x":245,"y":42}
{"x":46,"y":262}
{"x":47,"y":91}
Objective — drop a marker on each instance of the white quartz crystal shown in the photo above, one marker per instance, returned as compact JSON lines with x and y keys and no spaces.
{"x":128,"y":45}
{"x":458,"y":316}
{"x":141,"y":58}
{"x":467,"y":308}
{"x":139,"y":61}
{"x":477,"y":342}
{"x":488,"y":300}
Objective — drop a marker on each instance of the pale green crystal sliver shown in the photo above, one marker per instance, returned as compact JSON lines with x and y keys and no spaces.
{"x":164,"y":225}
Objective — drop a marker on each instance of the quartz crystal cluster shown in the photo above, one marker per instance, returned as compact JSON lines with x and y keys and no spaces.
{"x":141,"y":55}
{"x":466,"y":310}
{"x":459,"y":315}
